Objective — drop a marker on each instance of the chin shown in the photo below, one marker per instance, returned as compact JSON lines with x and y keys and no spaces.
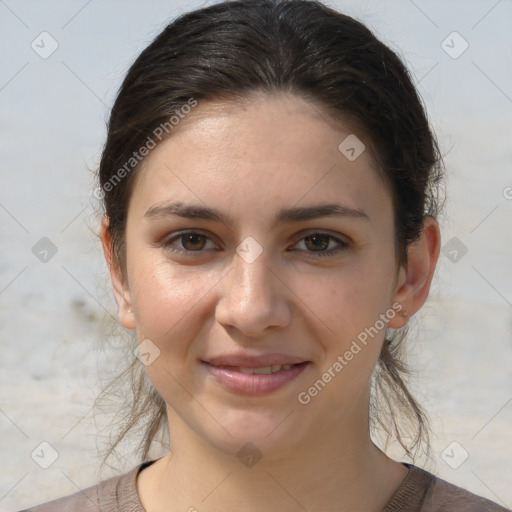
{"x":258,"y":433}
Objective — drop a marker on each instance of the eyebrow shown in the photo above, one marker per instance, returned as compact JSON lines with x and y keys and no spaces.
{"x":294,"y":214}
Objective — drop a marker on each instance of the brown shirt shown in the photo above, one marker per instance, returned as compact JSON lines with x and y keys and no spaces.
{"x":419,"y":492}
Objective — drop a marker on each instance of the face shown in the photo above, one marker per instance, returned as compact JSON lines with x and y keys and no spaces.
{"x":257,"y":256}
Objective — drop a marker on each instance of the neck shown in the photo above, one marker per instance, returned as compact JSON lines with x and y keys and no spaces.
{"x":319,"y":475}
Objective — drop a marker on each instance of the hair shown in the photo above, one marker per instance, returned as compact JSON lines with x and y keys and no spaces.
{"x":232,"y":50}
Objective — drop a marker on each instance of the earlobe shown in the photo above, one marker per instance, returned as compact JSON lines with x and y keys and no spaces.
{"x":414,"y":281}
{"x":119,"y":283}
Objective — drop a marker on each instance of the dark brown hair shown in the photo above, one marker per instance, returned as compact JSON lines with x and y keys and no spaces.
{"x":231,"y":50}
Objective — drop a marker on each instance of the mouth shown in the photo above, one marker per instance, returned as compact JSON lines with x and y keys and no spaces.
{"x":254,"y":378}
{"x":262,"y":370}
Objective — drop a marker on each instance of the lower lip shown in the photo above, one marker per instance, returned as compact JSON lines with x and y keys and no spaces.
{"x":254,"y":384}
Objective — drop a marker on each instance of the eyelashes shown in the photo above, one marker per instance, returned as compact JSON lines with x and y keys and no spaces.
{"x":195,"y":243}
{"x":322,"y":241}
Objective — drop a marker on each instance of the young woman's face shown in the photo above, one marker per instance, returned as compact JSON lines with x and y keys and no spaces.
{"x":254,"y":242}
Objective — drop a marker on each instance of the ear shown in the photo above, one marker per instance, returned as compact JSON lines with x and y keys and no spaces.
{"x":119,"y":282}
{"x":413,"y":283}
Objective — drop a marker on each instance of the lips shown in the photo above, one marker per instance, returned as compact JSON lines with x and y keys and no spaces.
{"x":254,"y":375}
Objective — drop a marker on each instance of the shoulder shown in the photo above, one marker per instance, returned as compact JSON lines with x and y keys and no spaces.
{"x":116,"y":494}
{"x":448,"y":497}
{"x":421,"y":491}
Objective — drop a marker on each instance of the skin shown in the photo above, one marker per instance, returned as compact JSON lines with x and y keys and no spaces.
{"x":250,"y":160}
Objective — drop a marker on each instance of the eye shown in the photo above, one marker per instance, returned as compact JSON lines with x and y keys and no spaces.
{"x":322,"y":244}
{"x":188,"y":242}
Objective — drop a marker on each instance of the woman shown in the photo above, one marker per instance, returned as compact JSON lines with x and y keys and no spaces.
{"x":270,"y":189}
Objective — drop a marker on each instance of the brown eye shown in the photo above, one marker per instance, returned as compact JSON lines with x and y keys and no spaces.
{"x":188,"y":243}
{"x":317,"y":242}
{"x":193,"y":242}
{"x":321,"y":244}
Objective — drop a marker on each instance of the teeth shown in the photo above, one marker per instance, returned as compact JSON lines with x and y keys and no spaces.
{"x":265,"y":370}
{"x":248,"y":371}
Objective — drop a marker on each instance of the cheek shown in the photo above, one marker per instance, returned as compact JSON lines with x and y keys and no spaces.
{"x":351,"y":332}
{"x":172,"y":310}
{"x":350,"y":302}
{"x":351,"y":298}
{"x":170,"y":303}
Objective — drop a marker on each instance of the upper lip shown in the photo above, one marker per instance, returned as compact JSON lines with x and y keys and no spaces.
{"x":246,"y":361}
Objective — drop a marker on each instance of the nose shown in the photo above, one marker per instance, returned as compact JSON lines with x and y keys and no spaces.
{"x":253,"y":298}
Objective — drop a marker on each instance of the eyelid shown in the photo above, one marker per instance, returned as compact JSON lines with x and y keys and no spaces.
{"x":343,"y":239}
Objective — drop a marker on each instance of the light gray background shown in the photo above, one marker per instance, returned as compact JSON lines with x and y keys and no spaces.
{"x":56,"y":316}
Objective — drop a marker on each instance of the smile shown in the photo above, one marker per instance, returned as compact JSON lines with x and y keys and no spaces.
{"x":259,"y":380}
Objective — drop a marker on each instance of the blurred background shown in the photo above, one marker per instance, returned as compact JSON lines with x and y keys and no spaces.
{"x":62,"y":63}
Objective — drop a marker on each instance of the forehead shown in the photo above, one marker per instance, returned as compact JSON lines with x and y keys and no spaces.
{"x":260,"y":152}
